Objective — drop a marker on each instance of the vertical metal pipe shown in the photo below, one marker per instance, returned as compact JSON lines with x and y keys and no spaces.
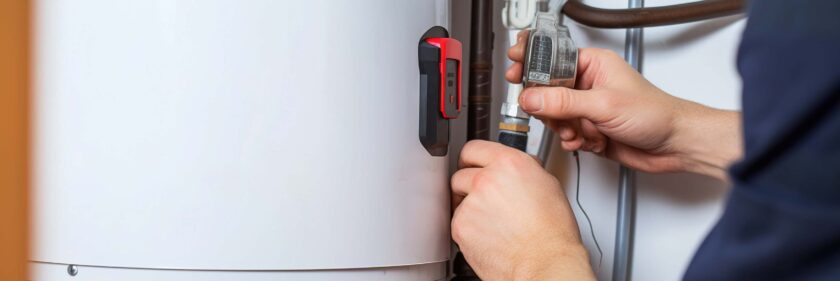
{"x":481,"y":70}
{"x":545,"y":145}
{"x":626,"y":217}
{"x":625,"y":224}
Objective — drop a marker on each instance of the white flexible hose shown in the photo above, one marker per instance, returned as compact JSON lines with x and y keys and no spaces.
{"x":519,"y":14}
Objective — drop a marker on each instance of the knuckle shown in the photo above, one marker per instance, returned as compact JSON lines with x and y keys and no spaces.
{"x":475,"y":144}
{"x":469,"y":148}
{"x":512,"y":53}
{"x":565,"y":99}
{"x":456,"y":177}
{"x":459,"y":229}
{"x":456,"y":230}
{"x":521,"y":159}
{"x":482,"y":180}
{"x":507,"y":159}
{"x":522,"y":163}
{"x":559,"y":100}
{"x":516,"y":162}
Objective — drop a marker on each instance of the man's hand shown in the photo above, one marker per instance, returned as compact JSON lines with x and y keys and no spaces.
{"x":512,"y":220}
{"x":614,"y":112}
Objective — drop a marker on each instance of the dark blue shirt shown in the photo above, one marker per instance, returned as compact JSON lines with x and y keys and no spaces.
{"x":782,"y":218}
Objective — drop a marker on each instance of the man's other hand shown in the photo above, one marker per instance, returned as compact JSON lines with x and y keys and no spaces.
{"x":512,"y":220}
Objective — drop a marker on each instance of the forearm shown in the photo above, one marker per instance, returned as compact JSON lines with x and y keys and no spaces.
{"x":568,"y":264}
{"x":709,"y":139}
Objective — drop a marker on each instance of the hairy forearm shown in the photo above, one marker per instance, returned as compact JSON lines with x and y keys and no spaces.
{"x":709,"y":139}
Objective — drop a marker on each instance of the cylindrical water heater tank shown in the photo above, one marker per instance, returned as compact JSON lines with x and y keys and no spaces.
{"x":234,"y":140}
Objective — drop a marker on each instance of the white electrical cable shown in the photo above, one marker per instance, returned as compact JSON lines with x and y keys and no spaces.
{"x":516,"y":15}
{"x":519,"y":14}
{"x":554,"y":8}
{"x":513,"y":89}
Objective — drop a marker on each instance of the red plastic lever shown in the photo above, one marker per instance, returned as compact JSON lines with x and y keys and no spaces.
{"x":449,"y":49}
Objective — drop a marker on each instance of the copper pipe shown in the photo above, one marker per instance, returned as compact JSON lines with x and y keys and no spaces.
{"x":481,"y":70}
{"x":652,"y":16}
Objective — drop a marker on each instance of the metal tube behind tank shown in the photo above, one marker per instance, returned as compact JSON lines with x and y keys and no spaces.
{"x":481,"y":70}
{"x":626,"y":217}
{"x":545,"y":145}
{"x":480,"y":99}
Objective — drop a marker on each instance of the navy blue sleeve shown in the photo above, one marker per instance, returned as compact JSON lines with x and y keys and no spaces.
{"x":782,"y":218}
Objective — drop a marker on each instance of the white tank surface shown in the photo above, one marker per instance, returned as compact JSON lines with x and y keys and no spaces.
{"x":234,"y":140}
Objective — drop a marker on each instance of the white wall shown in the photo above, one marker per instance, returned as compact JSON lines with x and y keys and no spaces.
{"x":675,"y":211}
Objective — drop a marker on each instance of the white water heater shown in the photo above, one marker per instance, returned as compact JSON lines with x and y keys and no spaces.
{"x":234,"y":140}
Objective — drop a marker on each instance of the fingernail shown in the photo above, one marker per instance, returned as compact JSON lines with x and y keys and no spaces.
{"x":531,"y":101}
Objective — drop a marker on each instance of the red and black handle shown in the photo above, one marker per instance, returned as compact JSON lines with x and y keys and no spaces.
{"x":440,"y":88}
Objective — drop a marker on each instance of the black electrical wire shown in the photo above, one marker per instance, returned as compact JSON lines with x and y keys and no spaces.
{"x":585,"y":215}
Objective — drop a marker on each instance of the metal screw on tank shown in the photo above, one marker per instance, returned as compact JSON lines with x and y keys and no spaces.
{"x":72,"y":270}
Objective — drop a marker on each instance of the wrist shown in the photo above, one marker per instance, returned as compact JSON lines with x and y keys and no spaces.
{"x":569,"y":263}
{"x":707,"y":139}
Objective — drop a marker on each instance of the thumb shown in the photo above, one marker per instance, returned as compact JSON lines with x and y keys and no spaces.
{"x":560,"y":103}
